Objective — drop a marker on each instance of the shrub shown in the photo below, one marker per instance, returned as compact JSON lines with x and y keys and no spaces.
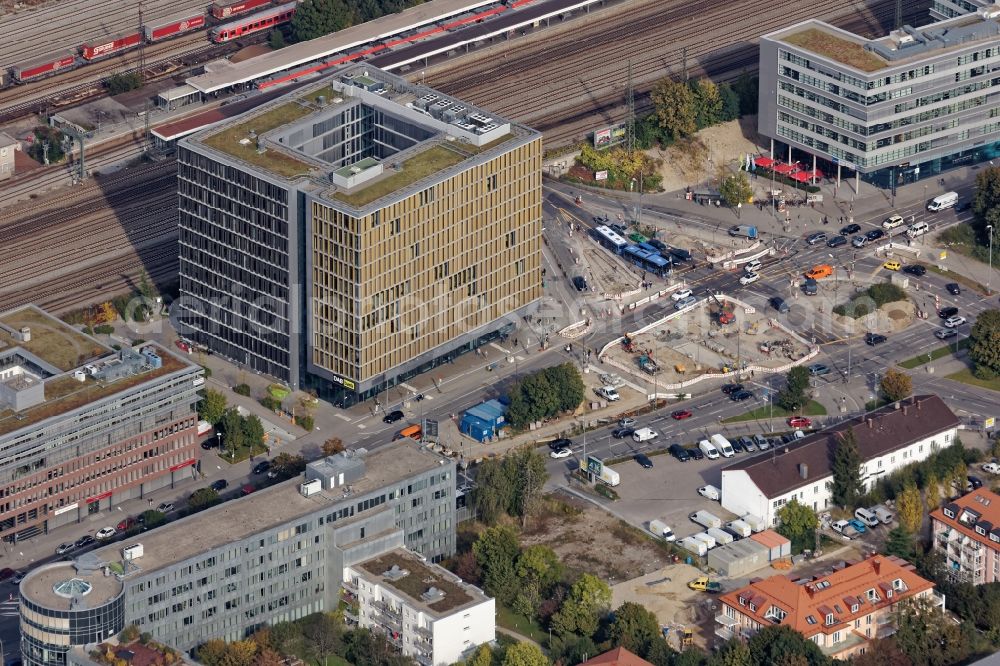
{"x":270,"y":403}
{"x":985,"y":373}
{"x":886,"y":292}
{"x":129,"y":634}
{"x":104,"y":329}
{"x":241,"y":389}
{"x":305,"y":422}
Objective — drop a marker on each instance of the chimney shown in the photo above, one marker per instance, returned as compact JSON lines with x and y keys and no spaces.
{"x":875,"y":564}
{"x":804,"y":470}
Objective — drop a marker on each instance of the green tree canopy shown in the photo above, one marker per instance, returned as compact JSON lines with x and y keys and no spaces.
{"x":986,"y":211}
{"x":846,"y":470}
{"x":315,"y":18}
{"x":545,"y":393}
{"x":231,"y":425}
{"x":288,"y":465}
{"x":707,"y":103}
{"x":895,"y":385}
{"x":910,"y":509}
{"x":984,"y":343}
{"x":926,"y":636}
{"x":580,"y":613}
{"x":525,"y":654}
{"x":212,"y":406}
{"x":793,"y":396}
{"x":510,"y":485}
{"x":496,"y":551}
{"x":634,"y":628}
{"x":253,"y":430}
{"x":203,"y":498}
{"x":674,"y":107}
{"x":783,"y":645}
{"x":736,"y":189}
{"x":798,"y":522}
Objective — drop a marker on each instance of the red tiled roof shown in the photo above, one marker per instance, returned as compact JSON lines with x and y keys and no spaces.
{"x":770,"y":538}
{"x":822,"y":597}
{"x":984,"y":503}
{"x":617,"y":657}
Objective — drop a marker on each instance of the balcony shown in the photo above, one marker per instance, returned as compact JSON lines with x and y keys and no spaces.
{"x":937,"y":599}
{"x":350,"y":587}
{"x":388,"y":610}
{"x":424,"y":632}
{"x":423,"y":644}
{"x":728,"y":626}
{"x":387,"y":621}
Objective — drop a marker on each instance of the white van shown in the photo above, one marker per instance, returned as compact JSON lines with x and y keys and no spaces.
{"x":867,"y":517}
{"x":917,"y":229}
{"x":946,"y":200}
{"x":644,"y":435}
{"x":883,"y":513}
{"x":723,"y":445}
{"x":710,"y":451}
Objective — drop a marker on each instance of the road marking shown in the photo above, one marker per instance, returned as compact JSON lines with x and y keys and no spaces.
{"x":496,"y":346}
{"x":342,"y":416}
{"x":408,"y":387}
{"x":362,"y":426}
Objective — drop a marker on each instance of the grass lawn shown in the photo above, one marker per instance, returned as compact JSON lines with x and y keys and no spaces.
{"x":419,"y":166}
{"x":811,"y":409}
{"x":228,"y":140}
{"x":960,"y":279}
{"x":836,"y":48}
{"x":242,"y":453}
{"x":508,"y":619}
{"x":966,"y":377}
{"x":917,"y":361}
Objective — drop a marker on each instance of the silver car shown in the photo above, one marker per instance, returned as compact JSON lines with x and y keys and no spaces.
{"x":685,"y":302}
{"x":762,"y":443}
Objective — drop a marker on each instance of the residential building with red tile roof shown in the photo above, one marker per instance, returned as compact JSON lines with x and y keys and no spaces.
{"x":841,"y":612}
{"x":617,"y":657}
{"x":888,"y":438}
{"x":967,"y":532}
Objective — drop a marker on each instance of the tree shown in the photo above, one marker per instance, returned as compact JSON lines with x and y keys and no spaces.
{"x":105,"y":312}
{"x":909,"y":509}
{"x":634,"y":628}
{"x":203,"y":498}
{"x":899,"y":542}
{"x":793,"y":396}
{"x":588,"y":597}
{"x":882,"y":652}
{"x":152,"y":518}
{"x":240,"y":653}
{"x":332,"y":446}
{"x":510,"y":485}
{"x":798,"y":522}
{"x":736,"y":190}
{"x":47,"y":147}
{"x":276,"y":40}
{"x":932,"y":492}
{"x":984,"y":343}
{"x":483,"y":656}
{"x":123,"y":82}
{"x":525,"y":654}
{"x":572,"y":649}
{"x":288,"y":465}
{"x":747,"y":87}
{"x":733,"y":653}
{"x":212,"y":406}
{"x":539,"y":566}
{"x":895,"y":385}
{"x":707,"y":103}
{"x":847,"y":485}
{"x":778,"y":644}
{"x":315,"y":18}
{"x":211,"y":652}
{"x":268,"y":657}
{"x":926,"y":636}
{"x":253,"y":430}
{"x":323,"y":633}
{"x":986,"y":211}
{"x":673,"y":103}
{"x":496,"y":551}
{"x":231,"y":425}
{"x":730,"y":102}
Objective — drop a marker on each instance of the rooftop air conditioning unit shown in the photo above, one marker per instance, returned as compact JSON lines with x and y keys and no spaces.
{"x":310,"y":488}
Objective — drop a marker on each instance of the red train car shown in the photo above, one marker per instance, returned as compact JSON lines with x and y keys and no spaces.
{"x":222,"y":10}
{"x":37,"y":69}
{"x":94,"y":50}
{"x":155,"y":33}
{"x":254,"y":23}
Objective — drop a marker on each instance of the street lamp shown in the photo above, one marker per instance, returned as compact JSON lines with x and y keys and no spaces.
{"x":989,"y":230}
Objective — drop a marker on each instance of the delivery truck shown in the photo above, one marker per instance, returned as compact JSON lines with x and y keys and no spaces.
{"x":707,"y":539}
{"x":740,"y":528}
{"x":610,"y":476}
{"x":721,"y":536}
{"x":662,"y":530}
{"x":706,"y":519}
{"x":694,"y":545}
{"x":743,"y":231}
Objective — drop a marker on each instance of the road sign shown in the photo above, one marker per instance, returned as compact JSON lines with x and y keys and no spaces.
{"x":989,"y":423}
{"x":595,"y":465}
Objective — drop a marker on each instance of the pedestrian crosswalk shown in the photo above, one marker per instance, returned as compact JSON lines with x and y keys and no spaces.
{"x":8,"y":608}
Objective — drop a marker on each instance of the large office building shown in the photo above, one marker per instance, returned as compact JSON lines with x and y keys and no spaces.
{"x":892,"y":110}
{"x":358,"y":231}
{"x":84,"y":427}
{"x":276,"y":555}
{"x":946,"y":9}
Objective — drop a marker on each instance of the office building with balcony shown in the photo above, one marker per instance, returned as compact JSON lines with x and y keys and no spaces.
{"x":966,"y":531}
{"x":276,"y":555}
{"x":946,"y":9}
{"x":84,"y":427}
{"x":841,"y":612}
{"x":891,"y":110}
{"x":888,"y":438}
{"x":358,"y":231}
{"x":424,"y":610}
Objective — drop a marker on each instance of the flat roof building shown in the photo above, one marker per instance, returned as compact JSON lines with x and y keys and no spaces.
{"x":945,"y":9}
{"x":353,"y":233}
{"x":894,"y":109}
{"x":276,"y":555}
{"x":84,"y":427}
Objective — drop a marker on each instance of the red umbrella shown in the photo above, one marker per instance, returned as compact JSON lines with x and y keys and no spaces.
{"x":801,"y":176}
{"x":784,"y":168}
{"x":763,"y":161}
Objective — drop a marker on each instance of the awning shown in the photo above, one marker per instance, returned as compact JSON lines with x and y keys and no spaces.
{"x":763,"y":161}
{"x":801,"y":176}
{"x":784,"y":168}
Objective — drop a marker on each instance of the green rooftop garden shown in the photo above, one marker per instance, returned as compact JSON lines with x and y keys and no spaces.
{"x":51,"y":340}
{"x":419,"y":580}
{"x":836,"y":48}
{"x":229,"y":140}
{"x":419,"y":166}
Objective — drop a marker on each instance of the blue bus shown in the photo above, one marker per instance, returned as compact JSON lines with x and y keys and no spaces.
{"x":651,"y":262}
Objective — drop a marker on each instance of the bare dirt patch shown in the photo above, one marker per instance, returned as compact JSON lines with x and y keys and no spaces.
{"x":694,"y":161}
{"x":589,"y":539}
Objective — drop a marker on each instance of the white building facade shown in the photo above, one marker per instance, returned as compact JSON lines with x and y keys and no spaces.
{"x":888,"y":440}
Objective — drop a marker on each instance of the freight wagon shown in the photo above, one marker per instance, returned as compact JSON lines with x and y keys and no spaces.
{"x":222,"y":10}
{"x":101,"y":49}
{"x":174,"y":27}
{"x":37,"y":69}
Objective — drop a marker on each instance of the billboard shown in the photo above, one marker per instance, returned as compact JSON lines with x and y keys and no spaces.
{"x":595,"y":465}
{"x":609,"y":136}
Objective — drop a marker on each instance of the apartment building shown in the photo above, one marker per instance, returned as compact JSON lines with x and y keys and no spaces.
{"x":892,"y":110}
{"x":427,"y":612}
{"x":888,"y":439}
{"x":276,"y":555}
{"x":84,"y":427}
{"x":966,"y":531}
{"x":356,"y":232}
{"x":841,"y":612}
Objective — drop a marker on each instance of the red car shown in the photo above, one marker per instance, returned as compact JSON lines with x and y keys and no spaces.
{"x":799,"y":422}
{"x":126,"y":524}
{"x":682,"y":414}
{"x":247,"y":489}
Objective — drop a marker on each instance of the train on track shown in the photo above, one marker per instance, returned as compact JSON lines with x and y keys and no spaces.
{"x":239,"y":23}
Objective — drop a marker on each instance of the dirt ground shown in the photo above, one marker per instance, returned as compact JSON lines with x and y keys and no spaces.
{"x":693,"y":162}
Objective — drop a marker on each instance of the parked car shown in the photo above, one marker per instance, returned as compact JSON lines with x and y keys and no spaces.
{"x":945,"y":333}
{"x":643,"y":461}
{"x":875,"y":234}
{"x":810,"y":287}
{"x":836,"y":241}
{"x":219,"y":485}
{"x":850,"y":229}
{"x":6,"y":573}
{"x":731,"y":388}
{"x":763,"y":443}
{"x":740,"y":396}
{"x":64,"y":548}
{"x":949,"y":311}
{"x":561,"y":443}
{"x":580,"y":283}
{"x":392,"y":416}
{"x":858,"y":526}
{"x":752,"y":266}
{"x":125,"y":524}
{"x":561,"y":453}
{"x":609,"y":393}
{"x":953,"y":288}
{"x":817,"y":369}
{"x":696,"y":453}
{"x":165,"y":507}
{"x":840,"y":525}
{"x":626,"y":422}
{"x":873,"y":339}
{"x":975,"y":482}
{"x":210,"y":443}
{"x":736,"y":445}
{"x":85,"y":540}
{"x":659,"y":245}
{"x":779,"y":304}
{"x":749,"y":278}
{"x":867,"y":516}
{"x":685,"y":302}
{"x":247,"y":489}
{"x":816,"y":238}
{"x":748,"y":444}
{"x":991,"y":468}
{"x":261,"y":467}
{"x":622,"y":433}
{"x":711,"y":492}
{"x":892,"y":265}
{"x":915,"y":269}
{"x":954,"y":321}
{"x":105,"y":533}
{"x":18,"y":577}
{"x":799,"y":422}
{"x":681,"y":414}
{"x":681,"y":295}
{"x":679,"y":452}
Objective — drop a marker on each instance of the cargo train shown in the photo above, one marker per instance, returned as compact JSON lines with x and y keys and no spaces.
{"x":234,"y":28}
